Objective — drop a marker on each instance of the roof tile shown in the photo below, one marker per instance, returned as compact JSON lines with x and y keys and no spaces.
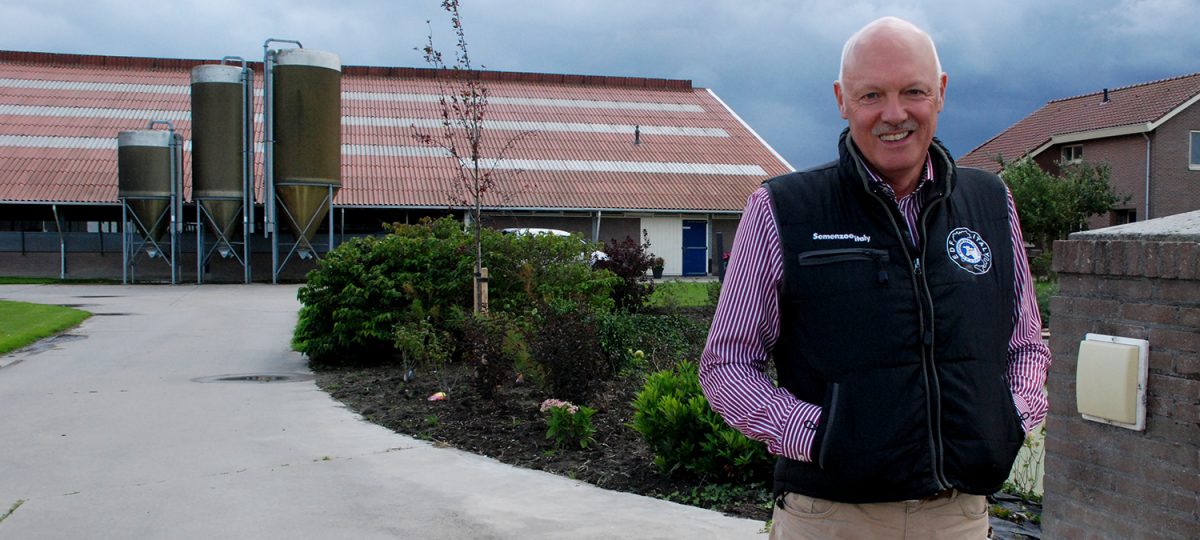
{"x":582,"y":154}
{"x":1137,"y":104}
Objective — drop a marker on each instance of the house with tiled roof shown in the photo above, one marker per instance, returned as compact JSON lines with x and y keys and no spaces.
{"x":1148,"y":134}
{"x":607,"y":157}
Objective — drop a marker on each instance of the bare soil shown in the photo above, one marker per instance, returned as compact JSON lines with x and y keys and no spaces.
{"x":510,"y":428}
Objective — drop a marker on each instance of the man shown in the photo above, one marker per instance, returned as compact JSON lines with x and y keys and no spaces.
{"x":893,"y":292}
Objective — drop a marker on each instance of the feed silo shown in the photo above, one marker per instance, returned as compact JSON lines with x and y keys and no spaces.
{"x":221,"y":161}
{"x":305,"y":143}
{"x":148,"y":179}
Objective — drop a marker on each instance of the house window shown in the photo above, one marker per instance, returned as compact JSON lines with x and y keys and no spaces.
{"x":1194,"y":161}
{"x":1123,"y":216}
{"x":1074,"y":153}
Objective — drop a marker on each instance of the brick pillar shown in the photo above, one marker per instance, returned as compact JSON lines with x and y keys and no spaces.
{"x":1140,"y":280}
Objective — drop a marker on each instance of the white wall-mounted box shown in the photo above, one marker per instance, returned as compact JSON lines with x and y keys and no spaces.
{"x":1110,"y":380}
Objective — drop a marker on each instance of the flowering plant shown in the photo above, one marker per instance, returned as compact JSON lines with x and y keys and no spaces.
{"x":568,"y":424}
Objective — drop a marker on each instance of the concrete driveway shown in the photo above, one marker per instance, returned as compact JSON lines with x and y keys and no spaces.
{"x":136,"y":425}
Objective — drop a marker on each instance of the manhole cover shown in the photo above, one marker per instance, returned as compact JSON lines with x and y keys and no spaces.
{"x":111,"y":314}
{"x":257,"y":378}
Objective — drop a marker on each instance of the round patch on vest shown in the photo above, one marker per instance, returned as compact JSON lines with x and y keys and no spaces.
{"x":968,"y":250}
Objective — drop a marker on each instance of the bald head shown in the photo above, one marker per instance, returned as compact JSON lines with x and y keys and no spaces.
{"x":888,"y":28}
{"x":890,"y":91}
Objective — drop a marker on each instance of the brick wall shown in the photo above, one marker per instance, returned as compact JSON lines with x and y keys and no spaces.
{"x":1126,"y":159}
{"x":1174,"y":187}
{"x":1140,"y":281}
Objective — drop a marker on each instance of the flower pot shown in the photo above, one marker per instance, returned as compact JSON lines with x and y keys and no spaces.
{"x":657,"y":272}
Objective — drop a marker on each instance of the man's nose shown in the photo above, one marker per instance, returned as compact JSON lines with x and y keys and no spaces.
{"x":893,"y":110}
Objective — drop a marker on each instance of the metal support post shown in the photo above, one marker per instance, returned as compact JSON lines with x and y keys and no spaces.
{"x":330,"y":248}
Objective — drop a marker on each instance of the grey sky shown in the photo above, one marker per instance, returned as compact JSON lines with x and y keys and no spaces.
{"x":772,"y":61}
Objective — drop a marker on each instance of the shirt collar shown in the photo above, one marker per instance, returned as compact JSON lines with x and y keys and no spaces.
{"x":926,"y":178}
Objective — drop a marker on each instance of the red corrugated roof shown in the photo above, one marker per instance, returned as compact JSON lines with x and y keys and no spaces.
{"x":60,"y":114}
{"x":1144,"y":103}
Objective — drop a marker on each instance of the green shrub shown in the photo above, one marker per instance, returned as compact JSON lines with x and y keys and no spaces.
{"x":529,"y":270}
{"x":361,"y":290}
{"x":665,"y":338}
{"x":568,"y":349}
{"x":1045,"y":291}
{"x":1042,"y":266}
{"x":687,"y":437}
{"x":423,"y":346}
{"x":568,"y":425}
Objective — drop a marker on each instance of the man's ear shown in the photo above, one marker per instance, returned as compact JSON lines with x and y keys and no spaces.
{"x":841,"y":99}
{"x":942,"y":91}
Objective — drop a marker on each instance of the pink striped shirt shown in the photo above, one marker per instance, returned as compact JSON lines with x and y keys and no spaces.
{"x":746,"y":327}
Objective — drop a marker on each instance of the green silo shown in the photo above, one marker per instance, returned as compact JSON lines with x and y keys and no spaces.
{"x":307,"y":127}
{"x":218,"y":141}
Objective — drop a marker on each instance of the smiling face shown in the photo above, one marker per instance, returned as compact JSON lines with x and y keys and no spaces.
{"x":890,"y":92}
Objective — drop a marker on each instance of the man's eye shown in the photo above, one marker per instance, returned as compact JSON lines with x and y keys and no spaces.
{"x":870,"y":96}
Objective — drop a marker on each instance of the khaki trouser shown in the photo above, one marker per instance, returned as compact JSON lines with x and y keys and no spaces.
{"x":950,"y":515}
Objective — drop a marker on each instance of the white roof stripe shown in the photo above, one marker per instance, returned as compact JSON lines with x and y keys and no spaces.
{"x":537,"y":102}
{"x":95,"y":86}
{"x":93,"y":112}
{"x":655,"y":167}
{"x":574,"y":127}
{"x":84,"y":143}
{"x":357,"y":96}
{"x":428,"y":123}
{"x":393,"y":151}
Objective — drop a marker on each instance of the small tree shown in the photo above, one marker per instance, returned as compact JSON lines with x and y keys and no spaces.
{"x":629,"y":260}
{"x":464,"y":137}
{"x":1051,"y":207}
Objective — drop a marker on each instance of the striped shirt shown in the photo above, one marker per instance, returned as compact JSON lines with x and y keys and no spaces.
{"x":746,"y":327}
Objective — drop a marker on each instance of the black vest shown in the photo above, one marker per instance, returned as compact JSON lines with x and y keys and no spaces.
{"x":905,"y":347}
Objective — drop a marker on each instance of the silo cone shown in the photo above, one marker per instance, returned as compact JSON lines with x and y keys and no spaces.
{"x":144,"y":177}
{"x":217,"y":145}
{"x":307,"y":125}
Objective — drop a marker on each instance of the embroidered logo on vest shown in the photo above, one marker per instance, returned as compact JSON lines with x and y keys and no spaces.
{"x":968,"y":250}
{"x":842,"y":236}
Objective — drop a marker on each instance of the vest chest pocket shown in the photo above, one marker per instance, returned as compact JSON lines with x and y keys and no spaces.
{"x":830,"y":271}
{"x":840,"y":301}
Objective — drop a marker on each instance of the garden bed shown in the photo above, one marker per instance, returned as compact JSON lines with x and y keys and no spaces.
{"x":511,"y":429}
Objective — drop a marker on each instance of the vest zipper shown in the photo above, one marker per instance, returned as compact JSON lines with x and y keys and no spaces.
{"x":922,"y":298}
{"x":927,"y":337}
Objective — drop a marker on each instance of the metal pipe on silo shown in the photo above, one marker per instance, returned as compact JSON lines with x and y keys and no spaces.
{"x":247,"y":163}
{"x":270,"y":224}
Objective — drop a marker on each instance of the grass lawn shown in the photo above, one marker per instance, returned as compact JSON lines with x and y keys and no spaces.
{"x":23,"y":323}
{"x":680,"y":294}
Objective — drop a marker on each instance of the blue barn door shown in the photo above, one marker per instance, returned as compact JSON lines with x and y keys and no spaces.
{"x":695,"y":247}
